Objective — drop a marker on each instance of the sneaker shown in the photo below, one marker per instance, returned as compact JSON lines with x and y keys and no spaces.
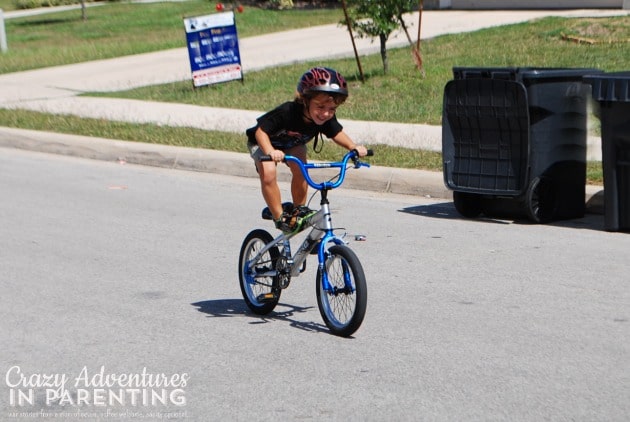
{"x":302,"y":211}
{"x":266,"y":212}
{"x":303,"y":215}
{"x":292,"y":223}
{"x":287,"y":223}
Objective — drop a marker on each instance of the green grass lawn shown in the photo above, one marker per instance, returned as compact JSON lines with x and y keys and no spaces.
{"x":402,"y":95}
{"x":122,"y":28}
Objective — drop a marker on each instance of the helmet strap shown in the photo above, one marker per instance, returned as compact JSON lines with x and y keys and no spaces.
{"x":319,"y":135}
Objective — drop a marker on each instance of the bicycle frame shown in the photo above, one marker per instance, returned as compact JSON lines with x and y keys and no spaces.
{"x":322,"y":228}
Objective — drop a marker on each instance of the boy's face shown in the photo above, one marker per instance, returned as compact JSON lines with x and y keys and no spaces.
{"x":321,"y":108}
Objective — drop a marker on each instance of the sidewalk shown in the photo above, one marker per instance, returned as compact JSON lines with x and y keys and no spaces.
{"x":54,"y":90}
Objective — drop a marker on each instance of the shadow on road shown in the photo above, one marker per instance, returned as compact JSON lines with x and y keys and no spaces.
{"x":224,"y":308}
{"x":446,"y":210}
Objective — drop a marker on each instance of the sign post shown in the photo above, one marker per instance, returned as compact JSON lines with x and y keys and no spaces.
{"x":213,"y":49}
{"x":3,"y":34}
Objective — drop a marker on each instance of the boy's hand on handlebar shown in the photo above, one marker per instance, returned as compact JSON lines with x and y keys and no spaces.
{"x":361,"y":150}
{"x":276,"y":155}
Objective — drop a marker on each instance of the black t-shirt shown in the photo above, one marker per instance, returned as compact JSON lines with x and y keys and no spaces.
{"x":286,"y":127}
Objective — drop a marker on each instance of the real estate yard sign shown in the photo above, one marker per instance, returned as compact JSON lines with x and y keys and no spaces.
{"x":213,"y":48}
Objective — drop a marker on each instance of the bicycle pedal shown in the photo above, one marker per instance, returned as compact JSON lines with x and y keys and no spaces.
{"x":266,"y":297}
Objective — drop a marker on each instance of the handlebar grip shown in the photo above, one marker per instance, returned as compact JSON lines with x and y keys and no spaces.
{"x":370,"y":153}
{"x":265,"y":158}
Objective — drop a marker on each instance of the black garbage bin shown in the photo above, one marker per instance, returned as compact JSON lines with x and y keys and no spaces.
{"x":514,"y":141}
{"x":612,"y":92}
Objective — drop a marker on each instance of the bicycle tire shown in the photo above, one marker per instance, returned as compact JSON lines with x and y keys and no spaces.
{"x":342,"y":311}
{"x":263,"y":293}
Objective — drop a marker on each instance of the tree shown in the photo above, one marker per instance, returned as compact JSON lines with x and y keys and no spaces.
{"x":379,"y":19}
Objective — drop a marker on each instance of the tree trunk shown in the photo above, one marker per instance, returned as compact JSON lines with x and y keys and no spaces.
{"x":383,"y":39}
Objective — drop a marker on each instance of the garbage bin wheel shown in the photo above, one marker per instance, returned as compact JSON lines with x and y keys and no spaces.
{"x":467,"y":204}
{"x":541,"y":200}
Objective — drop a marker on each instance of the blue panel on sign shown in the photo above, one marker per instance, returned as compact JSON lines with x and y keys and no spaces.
{"x":213,"y":48}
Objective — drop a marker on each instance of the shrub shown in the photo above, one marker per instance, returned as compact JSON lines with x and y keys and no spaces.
{"x":32,"y":4}
{"x":281,"y":4}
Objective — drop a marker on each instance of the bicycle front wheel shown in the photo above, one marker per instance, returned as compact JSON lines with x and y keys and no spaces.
{"x":343,"y":305}
{"x":260,"y":291}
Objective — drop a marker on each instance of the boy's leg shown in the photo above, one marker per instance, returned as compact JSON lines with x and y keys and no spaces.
{"x":299,"y":187}
{"x":270,"y":189}
{"x":268,"y":182}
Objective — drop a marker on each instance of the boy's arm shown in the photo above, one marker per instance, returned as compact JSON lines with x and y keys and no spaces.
{"x":344,"y":140}
{"x":265,"y":145}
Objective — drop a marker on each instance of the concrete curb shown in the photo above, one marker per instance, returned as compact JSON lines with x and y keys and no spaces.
{"x":378,"y":179}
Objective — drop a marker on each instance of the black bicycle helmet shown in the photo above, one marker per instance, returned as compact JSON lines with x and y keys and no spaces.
{"x":322,"y":79}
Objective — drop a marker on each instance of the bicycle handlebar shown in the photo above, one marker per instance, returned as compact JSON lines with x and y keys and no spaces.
{"x":342,"y":165}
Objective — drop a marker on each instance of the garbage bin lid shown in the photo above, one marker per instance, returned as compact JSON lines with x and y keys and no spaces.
{"x":557,"y":73}
{"x":613,"y":86}
{"x":524,"y":74}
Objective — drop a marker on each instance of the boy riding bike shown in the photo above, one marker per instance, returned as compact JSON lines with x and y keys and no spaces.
{"x":287,"y":129}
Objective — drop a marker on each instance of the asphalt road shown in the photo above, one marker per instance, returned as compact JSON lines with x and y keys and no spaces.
{"x":110,"y":268}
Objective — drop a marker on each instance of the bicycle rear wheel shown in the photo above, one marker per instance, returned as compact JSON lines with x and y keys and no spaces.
{"x":342,"y":306}
{"x":261,"y":293}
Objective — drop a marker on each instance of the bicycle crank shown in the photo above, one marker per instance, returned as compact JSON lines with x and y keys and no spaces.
{"x":283,"y":267}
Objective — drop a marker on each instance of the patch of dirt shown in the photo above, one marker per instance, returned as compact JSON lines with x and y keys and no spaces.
{"x":600,"y":29}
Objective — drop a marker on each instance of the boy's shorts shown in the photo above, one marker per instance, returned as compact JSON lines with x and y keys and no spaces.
{"x":254,"y":151}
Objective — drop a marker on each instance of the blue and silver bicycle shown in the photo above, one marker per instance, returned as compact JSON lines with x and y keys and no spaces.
{"x":266,"y":264}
